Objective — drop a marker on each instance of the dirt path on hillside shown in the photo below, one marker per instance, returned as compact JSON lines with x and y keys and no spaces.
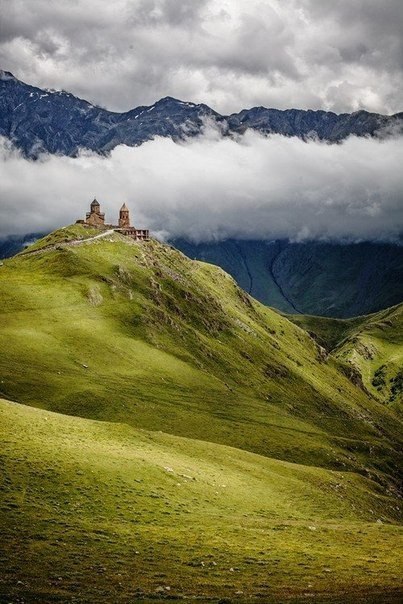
{"x":73,"y":242}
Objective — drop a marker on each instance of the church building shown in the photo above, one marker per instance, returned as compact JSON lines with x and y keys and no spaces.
{"x":96,"y":218}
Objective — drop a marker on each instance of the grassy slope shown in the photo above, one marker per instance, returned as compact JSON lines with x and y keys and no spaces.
{"x":376,"y":349}
{"x":373,"y":345}
{"x":107,"y":513}
{"x":248,"y":262}
{"x":328,"y":332}
{"x":137,"y":333}
{"x":67,"y":234}
{"x":121,"y":331}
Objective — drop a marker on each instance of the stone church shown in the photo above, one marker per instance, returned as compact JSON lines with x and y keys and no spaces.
{"x":96,"y":218}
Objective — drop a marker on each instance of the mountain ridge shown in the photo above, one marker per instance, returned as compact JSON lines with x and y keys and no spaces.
{"x":311,"y":278}
{"x":44,"y":121}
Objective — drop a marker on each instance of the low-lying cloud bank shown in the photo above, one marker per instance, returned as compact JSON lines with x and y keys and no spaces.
{"x":212,"y":188}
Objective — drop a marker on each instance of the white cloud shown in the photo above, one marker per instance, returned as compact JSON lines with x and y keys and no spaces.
{"x":214,"y":188}
{"x":230,"y":54}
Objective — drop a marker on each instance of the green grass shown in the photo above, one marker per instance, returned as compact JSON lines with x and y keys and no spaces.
{"x":182,"y":370}
{"x":376,"y":350}
{"x":105,"y":512}
{"x":121,"y":331}
{"x":328,"y":332}
{"x":372,"y":345}
{"x":64,"y":235}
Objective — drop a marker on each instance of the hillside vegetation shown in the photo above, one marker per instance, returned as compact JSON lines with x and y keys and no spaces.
{"x":376,"y":349}
{"x":93,"y":511}
{"x":178,"y":417}
{"x":372,"y":345}
{"x":333,"y":280}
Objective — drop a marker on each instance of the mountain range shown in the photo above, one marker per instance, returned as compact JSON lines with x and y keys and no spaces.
{"x":166,"y":436}
{"x":48,"y":121}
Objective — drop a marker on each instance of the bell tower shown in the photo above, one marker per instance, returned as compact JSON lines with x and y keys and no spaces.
{"x":124,"y":217}
{"x":95,"y":208}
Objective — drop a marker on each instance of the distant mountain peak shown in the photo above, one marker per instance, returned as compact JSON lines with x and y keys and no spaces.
{"x":170,"y":100}
{"x":6,"y":75}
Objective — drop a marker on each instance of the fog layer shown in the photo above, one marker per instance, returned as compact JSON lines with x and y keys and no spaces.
{"x":211,"y":188}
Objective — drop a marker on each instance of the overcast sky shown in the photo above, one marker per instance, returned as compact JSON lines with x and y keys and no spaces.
{"x":341,"y":55}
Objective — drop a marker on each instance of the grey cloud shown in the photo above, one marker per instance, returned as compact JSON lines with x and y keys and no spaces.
{"x":172,"y":12}
{"x":364,"y":30}
{"x":213,"y":188}
{"x":343,"y":55}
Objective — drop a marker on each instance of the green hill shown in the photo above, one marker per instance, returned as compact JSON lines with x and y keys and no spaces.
{"x":372,"y":345}
{"x":104,"y":512}
{"x":376,"y":349}
{"x":333,"y":280}
{"x":185,"y":372}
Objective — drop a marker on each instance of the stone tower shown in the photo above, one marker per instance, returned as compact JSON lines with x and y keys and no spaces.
{"x":124,"y":218}
{"x":95,"y":217}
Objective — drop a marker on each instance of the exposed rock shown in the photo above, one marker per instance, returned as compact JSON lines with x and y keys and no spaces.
{"x":94,"y":296}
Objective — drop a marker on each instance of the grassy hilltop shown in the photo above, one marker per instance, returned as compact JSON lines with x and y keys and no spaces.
{"x":172,"y":432}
